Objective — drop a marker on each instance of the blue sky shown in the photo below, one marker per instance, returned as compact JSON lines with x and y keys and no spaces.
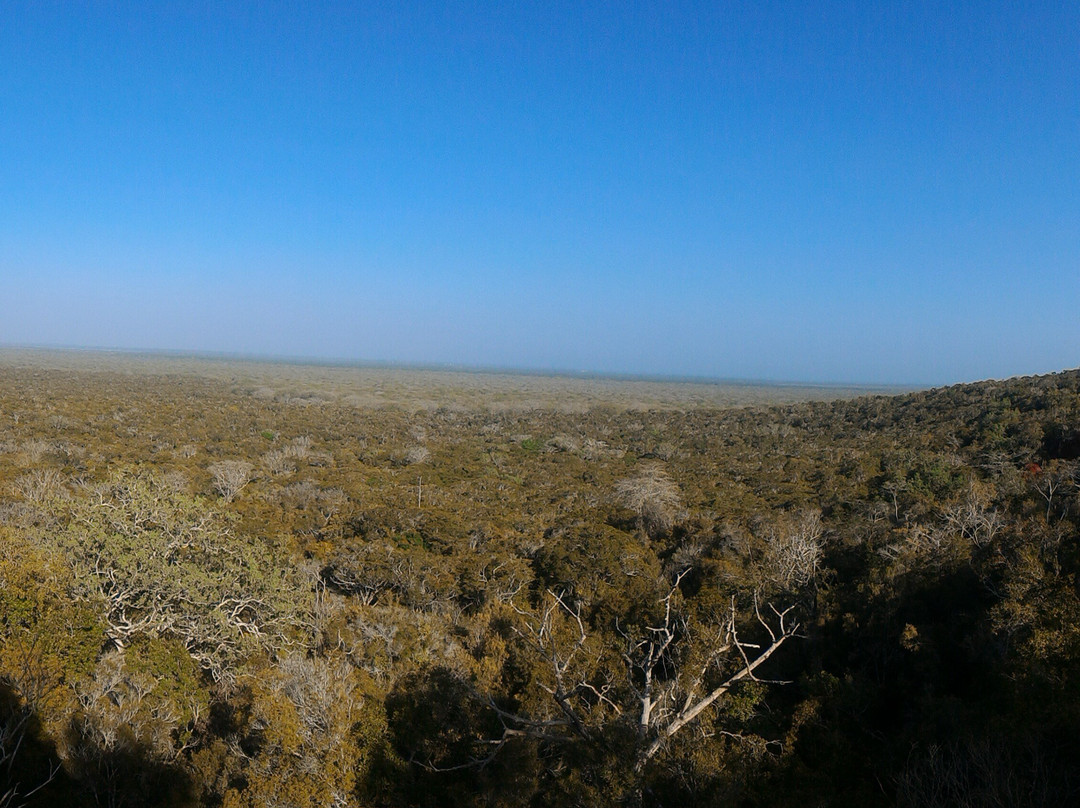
{"x":819,"y":191}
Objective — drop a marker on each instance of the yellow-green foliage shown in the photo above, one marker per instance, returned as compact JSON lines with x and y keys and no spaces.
{"x":48,"y":643}
{"x":169,"y":565}
{"x":426,"y":591}
{"x":310,"y":728}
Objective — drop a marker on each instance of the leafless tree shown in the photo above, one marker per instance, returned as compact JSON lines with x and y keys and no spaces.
{"x":285,"y":459}
{"x":118,"y":710}
{"x":996,"y":771}
{"x":13,"y":729}
{"x":793,"y":550}
{"x":277,"y":461}
{"x":673,"y":695}
{"x":15,"y":717}
{"x":123,"y":713}
{"x":1057,"y":477}
{"x":417,"y":454}
{"x":894,"y":488}
{"x":653,"y":496}
{"x":671,"y":673}
{"x":230,"y":476}
{"x":40,"y":485}
{"x":36,"y":449}
{"x":973,"y":520}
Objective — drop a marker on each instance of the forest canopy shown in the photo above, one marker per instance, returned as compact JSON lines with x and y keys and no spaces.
{"x":213,"y":593}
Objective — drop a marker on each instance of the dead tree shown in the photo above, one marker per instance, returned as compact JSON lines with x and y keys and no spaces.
{"x":230,"y":476}
{"x":671,"y":694}
{"x":665,"y":679}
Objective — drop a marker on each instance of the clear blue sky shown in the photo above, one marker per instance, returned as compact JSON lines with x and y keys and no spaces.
{"x":818,"y":191}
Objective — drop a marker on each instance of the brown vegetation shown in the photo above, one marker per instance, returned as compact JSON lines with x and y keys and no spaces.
{"x":252,"y":586}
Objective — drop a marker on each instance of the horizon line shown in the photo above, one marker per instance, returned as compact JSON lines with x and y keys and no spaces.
{"x":505,"y":370}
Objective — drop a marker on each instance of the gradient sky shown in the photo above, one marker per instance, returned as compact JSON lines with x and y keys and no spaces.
{"x":818,"y":191}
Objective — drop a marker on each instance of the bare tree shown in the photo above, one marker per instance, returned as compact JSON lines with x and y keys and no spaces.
{"x":894,"y":488}
{"x":40,"y":486}
{"x":995,"y":771}
{"x":307,"y":711}
{"x":278,"y":461}
{"x":15,"y":720}
{"x":230,"y":476}
{"x":667,"y":677}
{"x":653,"y":496}
{"x":417,"y":454}
{"x":13,"y":729}
{"x":1058,"y":476}
{"x":128,"y":731}
{"x":285,"y":459}
{"x":793,"y":550}
{"x":673,"y":695}
{"x":973,"y":520}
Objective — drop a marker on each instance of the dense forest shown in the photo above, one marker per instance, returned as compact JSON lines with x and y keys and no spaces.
{"x":214,"y":594}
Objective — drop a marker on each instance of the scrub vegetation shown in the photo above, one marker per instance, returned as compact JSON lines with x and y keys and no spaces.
{"x":229,"y":584}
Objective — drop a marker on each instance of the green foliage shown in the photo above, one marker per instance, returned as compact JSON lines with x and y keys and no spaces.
{"x":48,"y":647}
{"x":609,"y":569}
{"x":309,"y":727}
{"x":166,"y":564}
{"x":345,"y":633}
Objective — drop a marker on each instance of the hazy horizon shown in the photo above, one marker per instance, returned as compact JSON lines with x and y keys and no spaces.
{"x":817,"y":194}
{"x":78,"y":352}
